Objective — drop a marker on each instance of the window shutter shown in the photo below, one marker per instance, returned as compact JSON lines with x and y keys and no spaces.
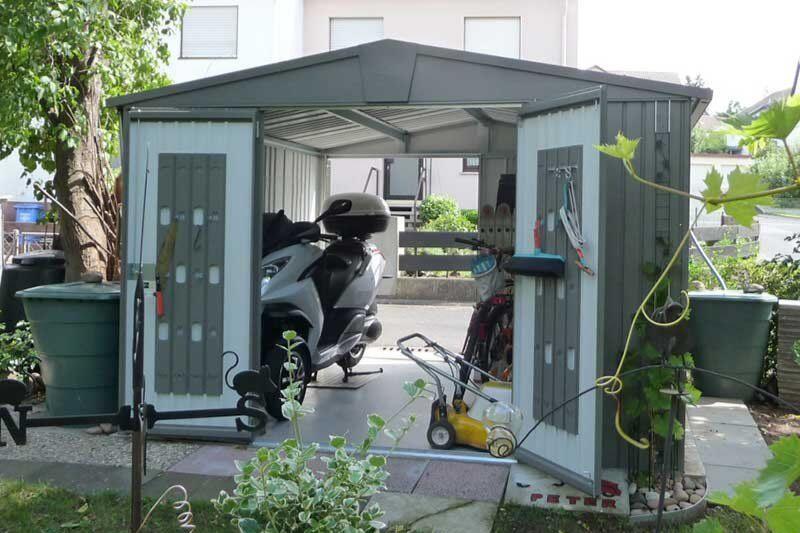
{"x":209,"y":31}
{"x":346,"y":32}
{"x":499,"y":36}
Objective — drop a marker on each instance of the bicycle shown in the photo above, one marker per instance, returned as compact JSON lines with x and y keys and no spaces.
{"x":489,"y":340}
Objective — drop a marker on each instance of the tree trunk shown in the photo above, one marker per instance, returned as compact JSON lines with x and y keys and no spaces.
{"x":80,"y":185}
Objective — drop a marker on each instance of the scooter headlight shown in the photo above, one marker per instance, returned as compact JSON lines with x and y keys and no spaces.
{"x":271,"y":269}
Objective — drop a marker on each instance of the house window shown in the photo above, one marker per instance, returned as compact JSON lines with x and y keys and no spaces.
{"x":471,"y":164}
{"x":209,"y":32}
{"x":346,"y":32}
{"x":499,"y":36}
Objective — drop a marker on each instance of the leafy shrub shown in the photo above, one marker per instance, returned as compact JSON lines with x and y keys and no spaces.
{"x":471,"y":215}
{"x":779,"y":277}
{"x":772,"y":162}
{"x":278,"y":492}
{"x":708,"y":142}
{"x":17,"y":354}
{"x":450,"y":222}
{"x":435,"y":206}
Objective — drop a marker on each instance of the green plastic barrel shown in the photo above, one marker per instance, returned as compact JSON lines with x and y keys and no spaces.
{"x":75,"y":329}
{"x":730,"y":331}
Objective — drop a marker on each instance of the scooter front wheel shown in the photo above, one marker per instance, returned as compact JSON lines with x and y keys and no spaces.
{"x":275,"y":358}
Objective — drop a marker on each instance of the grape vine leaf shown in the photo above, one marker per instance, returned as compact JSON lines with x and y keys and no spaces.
{"x":781,"y":471}
{"x":624,"y":149}
{"x":778,"y":121}
{"x":744,"y":499}
{"x":713,"y":188}
{"x":783,"y":517}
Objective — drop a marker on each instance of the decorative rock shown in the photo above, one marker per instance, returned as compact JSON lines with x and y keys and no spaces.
{"x":684,"y":505}
{"x":682,"y":496}
{"x":638,"y":505}
{"x":670,"y":501}
{"x":688,"y":483}
{"x":700,"y":492}
{"x":632,"y":489}
{"x":651,"y":495}
{"x":677,"y":487}
{"x":694,"y":498}
{"x":700,"y":483}
{"x":672,"y":508}
{"x":652,"y":504}
{"x":637,"y":512}
{"x":638,"y":498}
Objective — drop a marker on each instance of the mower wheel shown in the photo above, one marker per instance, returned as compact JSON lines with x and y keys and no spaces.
{"x":441,"y":435}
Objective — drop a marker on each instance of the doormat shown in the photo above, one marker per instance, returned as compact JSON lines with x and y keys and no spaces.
{"x":331,"y":378}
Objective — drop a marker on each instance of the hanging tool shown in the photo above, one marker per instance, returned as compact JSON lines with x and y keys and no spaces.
{"x":163,"y":265}
{"x":571,"y":222}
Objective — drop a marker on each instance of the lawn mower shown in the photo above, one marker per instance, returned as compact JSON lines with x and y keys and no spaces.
{"x":489,"y":423}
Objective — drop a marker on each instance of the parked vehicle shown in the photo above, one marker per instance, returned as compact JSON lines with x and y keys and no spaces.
{"x":490,"y":335}
{"x":326,"y":295}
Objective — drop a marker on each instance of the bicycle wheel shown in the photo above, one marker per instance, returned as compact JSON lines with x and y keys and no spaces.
{"x":500,"y":338}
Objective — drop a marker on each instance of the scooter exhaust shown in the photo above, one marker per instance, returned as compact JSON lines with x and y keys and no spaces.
{"x":373,"y":331}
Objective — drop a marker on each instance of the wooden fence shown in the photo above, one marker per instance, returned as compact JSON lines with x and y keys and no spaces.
{"x":415,"y":257}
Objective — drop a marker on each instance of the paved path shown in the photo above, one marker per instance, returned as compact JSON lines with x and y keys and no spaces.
{"x":728,"y":442}
{"x":772,"y":233}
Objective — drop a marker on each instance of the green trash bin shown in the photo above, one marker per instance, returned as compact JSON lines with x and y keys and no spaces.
{"x":75,"y":329}
{"x":730,"y":331}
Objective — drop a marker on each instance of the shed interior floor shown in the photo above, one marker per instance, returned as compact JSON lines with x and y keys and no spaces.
{"x":345,"y":411}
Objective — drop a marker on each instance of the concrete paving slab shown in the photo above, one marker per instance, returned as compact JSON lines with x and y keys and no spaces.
{"x":469,"y":481}
{"x":199,"y":487}
{"x":404,"y":474}
{"x":23,"y":470}
{"x":214,"y":460}
{"x":438,"y":515}
{"x":731,"y":445}
{"x":723,"y":478}
{"x":84,"y":479}
{"x":717,"y":410}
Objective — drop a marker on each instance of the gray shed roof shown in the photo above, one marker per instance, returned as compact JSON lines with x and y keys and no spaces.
{"x":396,"y":73}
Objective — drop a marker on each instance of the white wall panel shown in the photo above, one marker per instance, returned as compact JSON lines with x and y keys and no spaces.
{"x":235,"y":139}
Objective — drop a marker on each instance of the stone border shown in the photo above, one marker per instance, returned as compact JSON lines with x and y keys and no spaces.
{"x":680,"y":516}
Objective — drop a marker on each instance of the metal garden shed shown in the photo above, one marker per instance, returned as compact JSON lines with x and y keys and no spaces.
{"x":221,"y":151}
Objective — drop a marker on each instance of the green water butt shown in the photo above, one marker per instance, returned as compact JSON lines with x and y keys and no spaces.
{"x":730,"y":331}
{"x":75,"y":329}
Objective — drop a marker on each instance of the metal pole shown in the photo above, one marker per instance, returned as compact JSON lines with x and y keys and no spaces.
{"x":708,"y":261}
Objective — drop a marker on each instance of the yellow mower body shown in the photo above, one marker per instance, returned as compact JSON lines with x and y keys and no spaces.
{"x":468,"y":420}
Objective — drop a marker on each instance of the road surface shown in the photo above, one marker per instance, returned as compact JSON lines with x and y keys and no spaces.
{"x":772,"y":233}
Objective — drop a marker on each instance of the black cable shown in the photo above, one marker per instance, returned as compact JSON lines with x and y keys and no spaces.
{"x":768,"y":394}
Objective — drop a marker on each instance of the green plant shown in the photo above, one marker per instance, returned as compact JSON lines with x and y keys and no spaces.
{"x":17,"y":354}
{"x":435,"y":206}
{"x":450,"y":222}
{"x":708,"y":142}
{"x":278,"y":491}
{"x":471,"y":215}
{"x":772,"y":162}
{"x":767,"y":500}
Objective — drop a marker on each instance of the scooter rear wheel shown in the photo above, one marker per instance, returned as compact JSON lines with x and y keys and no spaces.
{"x":275,"y":358}
{"x":441,"y":435}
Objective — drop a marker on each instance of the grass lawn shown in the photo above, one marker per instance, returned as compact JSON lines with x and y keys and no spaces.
{"x":26,"y":508}
{"x":520,"y":519}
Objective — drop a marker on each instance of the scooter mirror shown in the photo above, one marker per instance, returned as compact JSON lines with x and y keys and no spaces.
{"x":338,"y":207}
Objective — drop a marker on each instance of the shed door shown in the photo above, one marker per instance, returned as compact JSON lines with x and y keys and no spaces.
{"x":558,"y":327}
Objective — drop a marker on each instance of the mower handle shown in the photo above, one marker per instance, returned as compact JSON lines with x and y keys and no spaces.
{"x":443,"y":352}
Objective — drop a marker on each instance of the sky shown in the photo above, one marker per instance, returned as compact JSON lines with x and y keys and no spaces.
{"x":743,"y":49}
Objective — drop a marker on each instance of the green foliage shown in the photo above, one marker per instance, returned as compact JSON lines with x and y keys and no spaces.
{"x":53,"y":52}
{"x":624,"y":148}
{"x":278,"y":491}
{"x":772,"y":164}
{"x":776,"y":122}
{"x":471,"y":215}
{"x":708,"y":141}
{"x":740,"y":184}
{"x":435,"y":206}
{"x":450,"y":222}
{"x":17,"y":354}
{"x":768,"y":499}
